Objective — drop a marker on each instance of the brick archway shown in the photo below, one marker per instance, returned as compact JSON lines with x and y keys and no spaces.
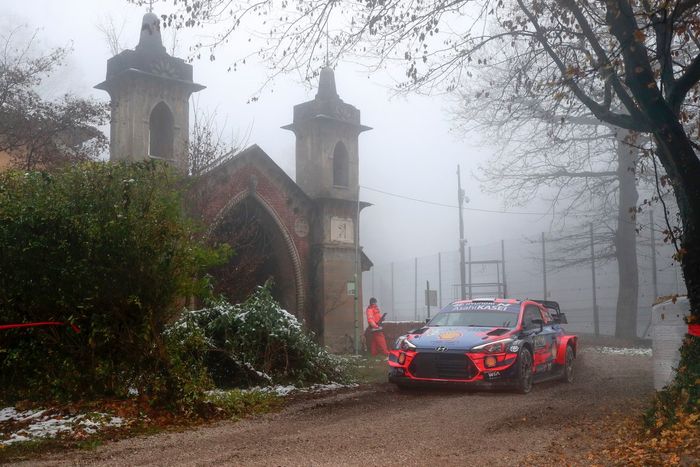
{"x":282,"y":232}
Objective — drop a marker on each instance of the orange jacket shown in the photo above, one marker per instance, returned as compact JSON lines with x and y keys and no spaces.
{"x":373,"y":316}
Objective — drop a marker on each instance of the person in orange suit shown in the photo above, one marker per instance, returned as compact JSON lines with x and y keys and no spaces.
{"x":374,"y":321}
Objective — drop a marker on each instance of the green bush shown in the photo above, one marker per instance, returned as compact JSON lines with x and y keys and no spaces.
{"x":108,"y":248}
{"x":258,"y":342}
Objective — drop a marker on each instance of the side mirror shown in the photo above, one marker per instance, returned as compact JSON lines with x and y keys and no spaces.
{"x":562,"y":319}
{"x":538,"y":322}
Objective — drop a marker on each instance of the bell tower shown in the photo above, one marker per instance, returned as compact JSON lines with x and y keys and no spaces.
{"x":327,"y":161}
{"x":149,"y":91}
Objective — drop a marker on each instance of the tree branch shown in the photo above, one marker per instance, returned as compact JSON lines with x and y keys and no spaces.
{"x":603,"y":113}
{"x":683,"y":85}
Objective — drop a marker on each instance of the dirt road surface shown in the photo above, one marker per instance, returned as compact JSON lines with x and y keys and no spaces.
{"x":379,"y":425}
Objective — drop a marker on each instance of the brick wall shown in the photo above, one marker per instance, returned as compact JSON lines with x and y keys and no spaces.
{"x":254,"y":171}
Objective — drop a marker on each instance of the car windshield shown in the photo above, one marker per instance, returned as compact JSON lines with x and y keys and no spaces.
{"x":485,"y":318}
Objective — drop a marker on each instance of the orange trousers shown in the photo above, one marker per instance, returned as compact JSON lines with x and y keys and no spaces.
{"x":377,"y":343}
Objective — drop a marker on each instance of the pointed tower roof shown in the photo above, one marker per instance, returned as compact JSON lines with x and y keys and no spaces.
{"x":150,"y":59}
{"x":327,"y":105}
{"x":150,"y":40}
{"x":326,"y":85}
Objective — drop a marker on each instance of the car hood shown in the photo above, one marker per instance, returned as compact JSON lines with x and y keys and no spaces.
{"x":456,"y":337}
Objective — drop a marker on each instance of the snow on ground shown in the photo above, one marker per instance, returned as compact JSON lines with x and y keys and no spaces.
{"x":282,"y":391}
{"x":621,"y":350}
{"x":287,"y":390}
{"x":33,"y":424}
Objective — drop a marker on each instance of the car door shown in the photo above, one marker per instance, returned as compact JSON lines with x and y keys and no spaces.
{"x":544,"y":341}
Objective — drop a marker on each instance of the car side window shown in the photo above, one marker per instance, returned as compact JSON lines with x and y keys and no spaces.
{"x":547,"y":314}
{"x":531,"y":312}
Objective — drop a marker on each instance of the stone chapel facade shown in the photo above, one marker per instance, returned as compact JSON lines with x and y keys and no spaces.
{"x":311,"y":225}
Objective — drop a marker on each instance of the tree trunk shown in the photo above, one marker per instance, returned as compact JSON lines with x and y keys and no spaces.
{"x":674,"y":146}
{"x":626,"y":239}
{"x":687,"y":193}
{"x":684,"y":175}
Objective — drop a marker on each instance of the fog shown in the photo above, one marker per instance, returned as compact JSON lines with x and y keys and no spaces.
{"x":412,"y":152}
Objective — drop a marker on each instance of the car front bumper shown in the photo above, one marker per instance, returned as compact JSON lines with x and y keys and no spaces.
{"x":426,"y":367}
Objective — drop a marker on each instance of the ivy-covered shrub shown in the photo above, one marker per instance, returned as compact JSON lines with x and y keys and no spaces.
{"x":106,"y":247}
{"x":257,"y":342}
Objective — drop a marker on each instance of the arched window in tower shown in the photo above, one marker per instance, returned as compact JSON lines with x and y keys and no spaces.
{"x":161,"y":132}
{"x":341,"y":165}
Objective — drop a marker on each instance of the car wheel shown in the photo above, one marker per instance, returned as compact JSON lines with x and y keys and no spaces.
{"x":568,"y":374}
{"x":524,"y":384}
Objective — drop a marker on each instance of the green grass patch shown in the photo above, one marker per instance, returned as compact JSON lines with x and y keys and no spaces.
{"x":237,"y":404}
{"x":368,"y":370}
{"x":25,"y":450}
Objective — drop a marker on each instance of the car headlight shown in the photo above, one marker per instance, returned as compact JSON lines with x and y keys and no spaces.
{"x":404,"y":344}
{"x":493,"y":347}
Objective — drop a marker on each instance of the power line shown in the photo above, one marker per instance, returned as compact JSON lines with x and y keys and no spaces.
{"x":434,"y":203}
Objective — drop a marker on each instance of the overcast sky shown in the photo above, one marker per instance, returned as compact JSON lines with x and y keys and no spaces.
{"x":411,"y":151}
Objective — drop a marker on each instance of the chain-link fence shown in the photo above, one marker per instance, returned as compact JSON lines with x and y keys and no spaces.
{"x":515,"y":268}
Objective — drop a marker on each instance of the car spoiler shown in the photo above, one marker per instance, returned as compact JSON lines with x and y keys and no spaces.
{"x":549,"y":304}
{"x":560,"y":317}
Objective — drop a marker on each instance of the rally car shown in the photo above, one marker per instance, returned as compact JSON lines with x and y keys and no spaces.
{"x":487,"y":342}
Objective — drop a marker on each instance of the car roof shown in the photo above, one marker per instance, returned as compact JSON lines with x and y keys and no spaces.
{"x":509,"y":301}
{"x":503,"y":304}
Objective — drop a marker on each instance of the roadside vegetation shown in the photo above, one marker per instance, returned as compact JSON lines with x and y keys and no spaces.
{"x":106,"y":250}
{"x":253,"y":343}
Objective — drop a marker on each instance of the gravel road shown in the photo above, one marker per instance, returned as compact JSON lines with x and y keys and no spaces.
{"x":378,"y":425}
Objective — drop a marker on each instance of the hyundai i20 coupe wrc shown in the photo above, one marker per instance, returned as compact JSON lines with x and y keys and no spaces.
{"x":487,"y":343}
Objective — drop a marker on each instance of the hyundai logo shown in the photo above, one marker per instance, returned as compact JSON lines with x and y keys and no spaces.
{"x":442,"y":348}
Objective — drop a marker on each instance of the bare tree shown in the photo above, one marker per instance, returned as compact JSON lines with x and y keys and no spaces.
{"x":586,"y":167}
{"x":208,"y":145}
{"x":35,"y":132}
{"x":632,"y":64}
{"x":635,"y":65}
{"x":112,"y":34}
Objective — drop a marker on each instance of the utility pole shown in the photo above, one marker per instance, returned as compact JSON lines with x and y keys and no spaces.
{"x":470,"y":273}
{"x":358,"y":275}
{"x":393,"y":305}
{"x":544,"y":268}
{"x":415,"y":289}
{"x":439,"y":280}
{"x":460,"y":202}
{"x":427,"y":296}
{"x":653,"y":255}
{"x":596,"y":320}
{"x":503,"y":266}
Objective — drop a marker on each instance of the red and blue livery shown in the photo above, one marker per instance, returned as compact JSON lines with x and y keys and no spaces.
{"x":487,"y":342}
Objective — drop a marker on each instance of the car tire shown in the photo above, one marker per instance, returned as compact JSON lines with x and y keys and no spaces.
{"x":568,"y":373}
{"x":525,"y":375}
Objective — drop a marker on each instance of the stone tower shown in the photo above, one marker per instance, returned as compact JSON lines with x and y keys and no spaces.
{"x":327,"y":132}
{"x":149,"y":91}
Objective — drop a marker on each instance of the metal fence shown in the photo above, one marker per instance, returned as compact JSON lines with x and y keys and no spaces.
{"x":516,"y":268}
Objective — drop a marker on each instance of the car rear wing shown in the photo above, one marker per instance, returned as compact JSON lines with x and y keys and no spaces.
{"x":557,"y":315}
